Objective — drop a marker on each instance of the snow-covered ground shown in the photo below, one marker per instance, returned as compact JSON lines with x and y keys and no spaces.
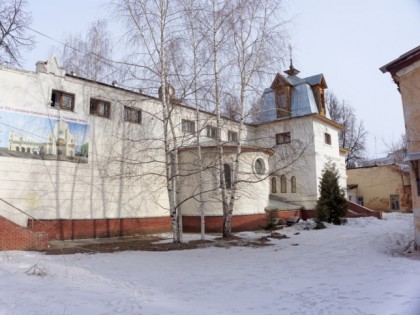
{"x":353,"y":269}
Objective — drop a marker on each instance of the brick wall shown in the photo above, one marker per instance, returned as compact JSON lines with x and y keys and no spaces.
{"x":100,"y":228}
{"x":16,"y":237}
{"x":214,"y":224}
{"x":354,"y":211}
{"x":361,"y":211}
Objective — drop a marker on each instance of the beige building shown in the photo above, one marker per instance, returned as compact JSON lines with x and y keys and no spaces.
{"x":405,"y":72}
{"x":380,"y":187}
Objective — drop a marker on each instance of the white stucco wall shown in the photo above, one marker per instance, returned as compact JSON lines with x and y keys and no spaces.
{"x":252,"y":195}
{"x":48,"y":189}
{"x":304,"y":158}
{"x":124,"y":176}
{"x":328,"y":152}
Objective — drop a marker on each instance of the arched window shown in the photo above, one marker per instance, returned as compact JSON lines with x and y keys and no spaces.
{"x":283,"y":184}
{"x":293,"y":184}
{"x":28,"y":150}
{"x":17,"y":149}
{"x":228,"y":175}
{"x":273,"y":185}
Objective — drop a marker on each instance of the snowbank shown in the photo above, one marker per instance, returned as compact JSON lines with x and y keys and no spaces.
{"x":361,"y":268}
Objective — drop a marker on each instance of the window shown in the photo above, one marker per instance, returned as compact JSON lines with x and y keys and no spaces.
{"x":327,"y":138}
{"x":283,"y":138}
{"x":99,"y":108}
{"x":232,"y":136}
{"x":188,"y":126}
{"x":132,"y":115}
{"x":282,"y":99}
{"x":293,"y":184}
{"x":282,"y":105}
{"x":360,"y":200}
{"x":394,"y":201}
{"x":62,"y":100}
{"x":228,"y":175}
{"x":259,"y":167}
{"x":212,"y":132}
{"x":283,"y":184}
{"x":273,"y":185}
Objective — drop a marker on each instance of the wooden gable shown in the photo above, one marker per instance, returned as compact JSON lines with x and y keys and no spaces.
{"x":283,"y":96}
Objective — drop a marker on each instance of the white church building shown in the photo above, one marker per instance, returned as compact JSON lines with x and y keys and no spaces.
{"x":121,"y":189}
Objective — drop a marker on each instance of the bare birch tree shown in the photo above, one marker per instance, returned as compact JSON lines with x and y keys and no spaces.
{"x":89,"y":56}
{"x":195,"y":45}
{"x":152,"y":25}
{"x":353,"y":136}
{"x":242,"y":36}
{"x":14,"y":20}
{"x":238,"y":38}
{"x":256,"y":29}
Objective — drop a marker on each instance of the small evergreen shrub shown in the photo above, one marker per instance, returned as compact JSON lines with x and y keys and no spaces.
{"x":272,"y":221}
{"x":332,"y":205}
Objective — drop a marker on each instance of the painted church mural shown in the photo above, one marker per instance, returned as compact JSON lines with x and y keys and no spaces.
{"x":38,"y":136}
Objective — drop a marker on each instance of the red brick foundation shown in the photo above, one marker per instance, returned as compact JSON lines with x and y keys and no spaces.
{"x":357,"y":211}
{"x":100,"y":228}
{"x":252,"y":222}
{"x":16,"y":237}
{"x":354,"y":211}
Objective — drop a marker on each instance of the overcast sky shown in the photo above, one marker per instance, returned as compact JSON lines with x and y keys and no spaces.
{"x":346,"y":40}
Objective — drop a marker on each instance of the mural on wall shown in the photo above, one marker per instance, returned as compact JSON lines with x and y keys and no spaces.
{"x":37,"y":135}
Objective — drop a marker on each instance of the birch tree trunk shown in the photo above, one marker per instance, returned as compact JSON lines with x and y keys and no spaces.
{"x":151,"y":23}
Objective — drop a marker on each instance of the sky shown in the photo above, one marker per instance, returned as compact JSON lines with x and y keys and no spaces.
{"x":347,"y":40}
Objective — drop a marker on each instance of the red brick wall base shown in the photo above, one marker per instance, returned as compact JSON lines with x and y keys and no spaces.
{"x":252,"y":222}
{"x":100,"y":228}
{"x":16,"y":237}
{"x":354,"y":211}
